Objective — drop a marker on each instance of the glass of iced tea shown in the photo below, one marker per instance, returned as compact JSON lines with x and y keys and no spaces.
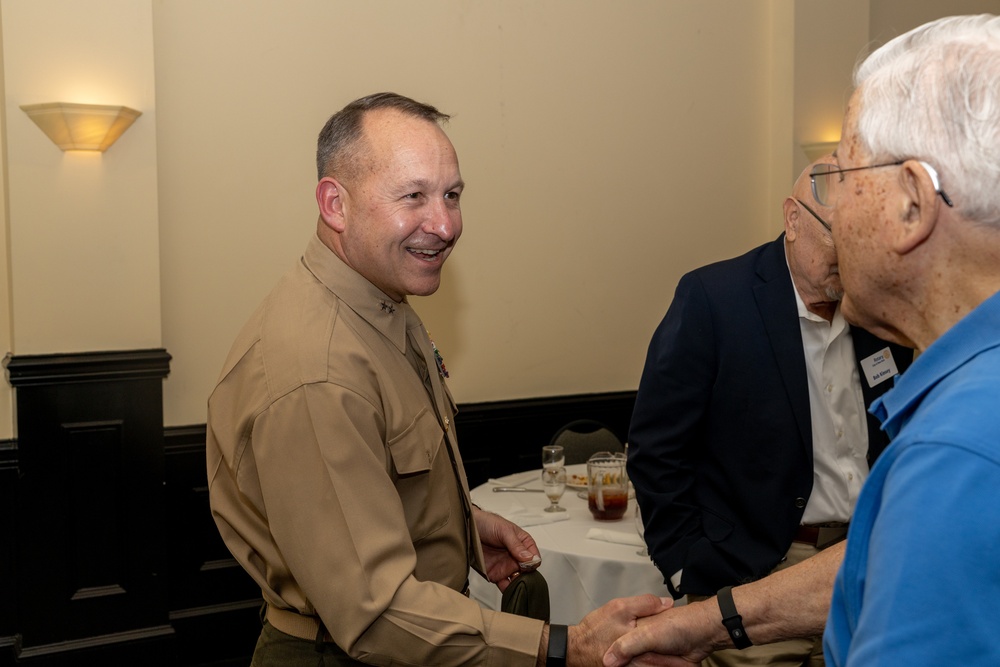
{"x":607,"y":486}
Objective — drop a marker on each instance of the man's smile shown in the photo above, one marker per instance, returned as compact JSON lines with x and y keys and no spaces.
{"x":424,"y":253}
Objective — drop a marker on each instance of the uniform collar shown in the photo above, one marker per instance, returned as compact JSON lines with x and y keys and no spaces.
{"x":391,"y":318}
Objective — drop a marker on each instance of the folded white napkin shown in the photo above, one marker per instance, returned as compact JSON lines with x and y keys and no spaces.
{"x":518,"y":478}
{"x":614,"y":536}
{"x":525,"y":517}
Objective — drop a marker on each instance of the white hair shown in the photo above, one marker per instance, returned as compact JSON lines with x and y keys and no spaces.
{"x":933,"y":94}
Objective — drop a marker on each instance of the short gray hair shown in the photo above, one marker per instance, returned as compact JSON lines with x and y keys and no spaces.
{"x":337,"y":149}
{"x":933,"y":94}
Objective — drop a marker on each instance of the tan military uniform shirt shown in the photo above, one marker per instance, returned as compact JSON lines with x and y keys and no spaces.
{"x":335,"y":478}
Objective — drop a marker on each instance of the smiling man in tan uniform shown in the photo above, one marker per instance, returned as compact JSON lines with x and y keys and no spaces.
{"x":334,"y":473}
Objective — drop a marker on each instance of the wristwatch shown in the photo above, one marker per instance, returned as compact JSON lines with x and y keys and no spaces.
{"x":731,"y":618}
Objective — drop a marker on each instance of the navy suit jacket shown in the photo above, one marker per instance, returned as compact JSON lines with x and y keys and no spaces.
{"x":720,"y":443}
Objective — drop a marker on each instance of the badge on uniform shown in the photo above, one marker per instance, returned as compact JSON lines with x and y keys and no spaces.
{"x":439,"y":360}
{"x":879,"y":367}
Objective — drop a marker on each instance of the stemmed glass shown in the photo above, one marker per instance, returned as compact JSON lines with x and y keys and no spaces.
{"x":554,"y":481}
{"x":640,"y":528}
{"x":553,"y":456}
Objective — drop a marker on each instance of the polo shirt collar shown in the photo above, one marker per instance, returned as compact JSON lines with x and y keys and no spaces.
{"x":970,"y":336}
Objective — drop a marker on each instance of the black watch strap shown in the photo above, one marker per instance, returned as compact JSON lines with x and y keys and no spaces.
{"x":731,"y":619}
{"x":555,"y":656}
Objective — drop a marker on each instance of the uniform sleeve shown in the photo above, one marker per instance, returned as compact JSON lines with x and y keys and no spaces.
{"x":932,"y":583}
{"x":668,"y":422}
{"x":342,"y":532}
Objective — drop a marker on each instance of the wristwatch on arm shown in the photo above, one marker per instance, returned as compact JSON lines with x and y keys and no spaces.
{"x":555,"y":656}
{"x":731,"y":618}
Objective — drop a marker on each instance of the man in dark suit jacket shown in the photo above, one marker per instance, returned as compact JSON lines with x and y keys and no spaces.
{"x":724,"y":449}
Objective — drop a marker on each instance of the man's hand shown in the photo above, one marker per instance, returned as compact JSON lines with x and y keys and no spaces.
{"x":507,"y":548}
{"x":589,"y":640}
{"x":679,"y":637}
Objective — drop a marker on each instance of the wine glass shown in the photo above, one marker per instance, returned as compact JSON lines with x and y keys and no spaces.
{"x":554,"y":481}
{"x":640,"y":528}
{"x":553,"y":456}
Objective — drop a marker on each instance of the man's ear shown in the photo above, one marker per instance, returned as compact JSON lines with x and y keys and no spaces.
{"x":791,"y":212}
{"x":920,"y":207}
{"x":330,"y":199}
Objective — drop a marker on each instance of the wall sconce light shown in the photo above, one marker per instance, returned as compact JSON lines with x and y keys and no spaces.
{"x":818,"y":150}
{"x":81,"y":127}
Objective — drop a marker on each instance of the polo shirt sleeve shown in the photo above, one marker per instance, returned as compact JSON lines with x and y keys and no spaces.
{"x":933,"y":541}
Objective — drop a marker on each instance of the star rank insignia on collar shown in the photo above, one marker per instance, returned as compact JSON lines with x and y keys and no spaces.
{"x":387,"y":307}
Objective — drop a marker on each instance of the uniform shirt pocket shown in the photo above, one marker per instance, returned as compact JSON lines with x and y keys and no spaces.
{"x":413,"y":450}
{"x":422,"y":475}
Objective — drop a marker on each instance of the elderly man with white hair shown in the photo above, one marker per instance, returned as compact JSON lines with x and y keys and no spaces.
{"x":916,"y":223}
{"x":915,"y":201}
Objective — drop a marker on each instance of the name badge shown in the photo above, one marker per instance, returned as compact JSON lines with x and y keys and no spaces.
{"x":879,"y":367}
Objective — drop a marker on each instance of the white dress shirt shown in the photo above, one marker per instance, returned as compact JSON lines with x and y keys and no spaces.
{"x":837,"y":413}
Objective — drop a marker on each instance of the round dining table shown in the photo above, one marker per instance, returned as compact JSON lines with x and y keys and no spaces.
{"x":585,"y":562}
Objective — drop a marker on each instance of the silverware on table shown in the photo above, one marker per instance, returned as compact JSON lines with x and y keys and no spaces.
{"x":498,"y":489}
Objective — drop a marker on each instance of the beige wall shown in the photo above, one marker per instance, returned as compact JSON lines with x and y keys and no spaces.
{"x":6,"y":335}
{"x":83,"y":258}
{"x":894,"y":17}
{"x":606,"y":151}
{"x":83,"y":226}
{"x":829,"y":37}
{"x":608,"y":148}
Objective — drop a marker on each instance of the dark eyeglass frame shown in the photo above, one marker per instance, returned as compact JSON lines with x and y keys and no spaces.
{"x":826,"y":225}
{"x":930,"y":170}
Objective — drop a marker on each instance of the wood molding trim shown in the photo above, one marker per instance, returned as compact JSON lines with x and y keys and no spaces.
{"x":42,"y":369}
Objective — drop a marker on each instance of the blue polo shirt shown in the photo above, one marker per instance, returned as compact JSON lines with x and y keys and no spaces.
{"x":920,"y":582}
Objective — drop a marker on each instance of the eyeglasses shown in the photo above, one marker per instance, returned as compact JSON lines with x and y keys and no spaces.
{"x":823,"y":222}
{"x":821,"y":177}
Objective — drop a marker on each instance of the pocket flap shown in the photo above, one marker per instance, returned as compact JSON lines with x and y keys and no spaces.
{"x":414,"y":449}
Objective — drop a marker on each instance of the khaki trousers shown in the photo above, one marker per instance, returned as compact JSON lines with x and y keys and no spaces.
{"x":792,"y":653}
{"x":277,"y":649}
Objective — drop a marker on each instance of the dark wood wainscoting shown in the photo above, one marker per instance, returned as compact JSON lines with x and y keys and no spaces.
{"x":87,"y":565}
{"x":109,"y":552}
{"x":507,"y":436}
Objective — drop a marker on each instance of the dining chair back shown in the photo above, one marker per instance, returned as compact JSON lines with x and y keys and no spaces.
{"x":583,"y":438}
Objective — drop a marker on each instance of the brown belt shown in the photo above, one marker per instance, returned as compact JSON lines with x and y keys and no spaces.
{"x":821,"y":536}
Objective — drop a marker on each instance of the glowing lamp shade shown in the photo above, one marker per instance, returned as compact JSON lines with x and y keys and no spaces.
{"x":81,"y":127}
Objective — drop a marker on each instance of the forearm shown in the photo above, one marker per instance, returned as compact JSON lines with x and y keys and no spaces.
{"x":543,"y":647}
{"x":788,"y":604}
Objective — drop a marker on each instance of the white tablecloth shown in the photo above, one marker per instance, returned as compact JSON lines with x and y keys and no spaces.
{"x":582,"y":573}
